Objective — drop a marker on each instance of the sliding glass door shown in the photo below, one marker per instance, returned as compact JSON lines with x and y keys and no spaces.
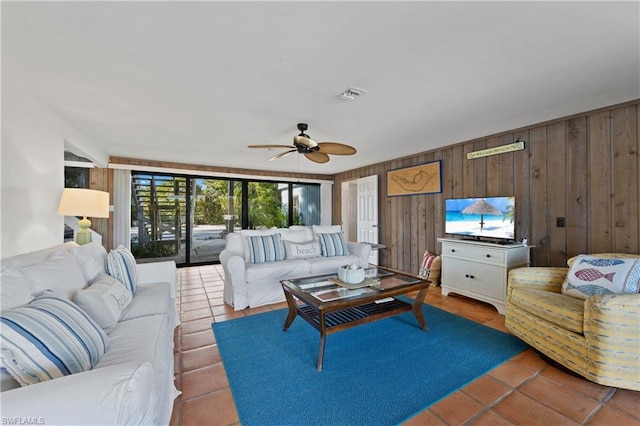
{"x":213,"y":205}
{"x":158,"y":216}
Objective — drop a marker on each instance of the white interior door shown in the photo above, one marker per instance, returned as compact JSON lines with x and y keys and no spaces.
{"x":350,"y":210}
{"x":368,"y":213}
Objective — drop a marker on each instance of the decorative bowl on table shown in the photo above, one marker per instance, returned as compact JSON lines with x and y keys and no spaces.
{"x":351,"y":274}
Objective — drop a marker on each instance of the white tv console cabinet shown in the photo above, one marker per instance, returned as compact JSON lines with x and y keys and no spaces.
{"x":480,"y":270}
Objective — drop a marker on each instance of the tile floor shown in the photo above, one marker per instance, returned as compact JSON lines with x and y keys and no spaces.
{"x":522,"y":391}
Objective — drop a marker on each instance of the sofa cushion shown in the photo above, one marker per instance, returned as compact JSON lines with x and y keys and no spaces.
{"x":151,"y":299}
{"x":33,"y":258}
{"x":104,"y":301}
{"x":276,"y":270}
{"x":301,"y":250}
{"x":325,"y":265}
{"x":92,"y":258}
{"x":296,"y":234}
{"x":234,"y":243}
{"x":591,"y":275}
{"x":60,"y":273}
{"x":562,"y":310}
{"x":265,"y":248}
{"x":333,"y":244}
{"x":48,"y":338}
{"x":147,"y":339}
{"x":122,"y":266}
{"x":15,"y":290}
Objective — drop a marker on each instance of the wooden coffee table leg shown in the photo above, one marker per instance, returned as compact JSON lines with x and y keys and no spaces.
{"x":417,"y":308}
{"x":323,"y":337}
{"x":293,"y":311}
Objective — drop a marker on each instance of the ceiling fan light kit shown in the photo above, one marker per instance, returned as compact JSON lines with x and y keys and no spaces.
{"x":317,"y":152}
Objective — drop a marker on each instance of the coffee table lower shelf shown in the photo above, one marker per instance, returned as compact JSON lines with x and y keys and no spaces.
{"x":349,"y":317}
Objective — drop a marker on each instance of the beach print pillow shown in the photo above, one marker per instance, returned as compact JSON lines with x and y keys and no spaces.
{"x":591,"y":275}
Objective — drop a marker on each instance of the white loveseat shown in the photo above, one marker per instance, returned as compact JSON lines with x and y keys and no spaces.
{"x":133,"y":381}
{"x":252,"y":284}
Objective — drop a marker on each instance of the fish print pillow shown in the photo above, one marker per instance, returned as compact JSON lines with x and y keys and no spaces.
{"x":591,"y":275}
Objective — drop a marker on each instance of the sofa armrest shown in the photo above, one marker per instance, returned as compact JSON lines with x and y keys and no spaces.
{"x":121,"y":394}
{"x":235,"y":279}
{"x":362,"y":251}
{"x":611,"y":328}
{"x":156,"y":272}
{"x":613,"y":316}
{"x":537,"y":277}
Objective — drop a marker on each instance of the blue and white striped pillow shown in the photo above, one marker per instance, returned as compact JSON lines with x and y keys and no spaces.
{"x":333,"y":244}
{"x":122,"y":266}
{"x":48,"y":338}
{"x":265,"y":248}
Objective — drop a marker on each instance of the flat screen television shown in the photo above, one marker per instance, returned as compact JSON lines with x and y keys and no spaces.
{"x":483,"y":219}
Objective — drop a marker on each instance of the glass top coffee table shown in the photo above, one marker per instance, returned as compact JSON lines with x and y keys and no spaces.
{"x":330,"y":305}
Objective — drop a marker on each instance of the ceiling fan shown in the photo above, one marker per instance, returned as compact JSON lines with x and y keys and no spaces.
{"x":314,"y":151}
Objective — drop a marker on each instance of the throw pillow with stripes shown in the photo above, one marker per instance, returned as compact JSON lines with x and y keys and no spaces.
{"x":333,"y":244}
{"x":427,"y":261}
{"x":48,"y":338}
{"x":265,"y":248}
{"x":121,"y":265}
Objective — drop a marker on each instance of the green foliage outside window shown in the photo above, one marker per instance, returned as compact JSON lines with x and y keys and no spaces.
{"x":265,"y":206}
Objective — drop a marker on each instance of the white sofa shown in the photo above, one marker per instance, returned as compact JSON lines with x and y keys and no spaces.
{"x":133,"y":382}
{"x":249,"y":284}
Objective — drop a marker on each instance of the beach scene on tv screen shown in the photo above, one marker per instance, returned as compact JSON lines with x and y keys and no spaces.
{"x":490,"y":217}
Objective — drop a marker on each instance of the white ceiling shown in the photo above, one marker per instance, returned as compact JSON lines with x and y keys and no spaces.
{"x":197,"y":82}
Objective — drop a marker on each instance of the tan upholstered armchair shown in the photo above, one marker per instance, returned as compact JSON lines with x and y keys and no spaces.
{"x":598,"y":338}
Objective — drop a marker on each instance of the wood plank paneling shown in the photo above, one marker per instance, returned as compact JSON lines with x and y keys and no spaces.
{"x":600,"y":174}
{"x":521,"y":186}
{"x":625,"y":179}
{"x":457,"y":178}
{"x":102,"y":180}
{"x":479,"y":171}
{"x":506,"y":183}
{"x":557,"y":193}
{"x":493,"y":169}
{"x":539,"y":225}
{"x":583,"y":168}
{"x":577,"y":186}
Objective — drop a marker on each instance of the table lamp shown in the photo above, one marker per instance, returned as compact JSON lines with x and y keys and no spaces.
{"x":84,"y":202}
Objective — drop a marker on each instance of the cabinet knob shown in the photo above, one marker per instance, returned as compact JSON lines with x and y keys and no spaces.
{"x":488,"y":255}
{"x":466,"y":275}
{"x":471,"y":276}
{"x":452,"y":250}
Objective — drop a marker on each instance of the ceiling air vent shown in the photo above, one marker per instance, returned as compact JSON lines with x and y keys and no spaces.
{"x":352,"y":93}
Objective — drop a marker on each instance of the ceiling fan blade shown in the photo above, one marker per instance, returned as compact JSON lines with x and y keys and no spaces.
{"x":336,"y":148}
{"x":304,"y":141}
{"x":282,"y":154}
{"x":270,"y":146}
{"x":318,"y":157}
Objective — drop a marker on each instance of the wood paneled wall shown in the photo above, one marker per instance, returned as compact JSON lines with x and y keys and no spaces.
{"x":583,"y":168}
{"x":102,"y":180}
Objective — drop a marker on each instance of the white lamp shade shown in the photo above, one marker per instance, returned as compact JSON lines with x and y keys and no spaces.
{"x":84,"y":202}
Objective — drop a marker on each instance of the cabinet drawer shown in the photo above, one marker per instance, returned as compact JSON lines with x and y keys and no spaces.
{"x":480,"y":254}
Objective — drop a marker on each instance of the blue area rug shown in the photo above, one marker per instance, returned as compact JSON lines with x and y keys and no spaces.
{"x":380,"y":373}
